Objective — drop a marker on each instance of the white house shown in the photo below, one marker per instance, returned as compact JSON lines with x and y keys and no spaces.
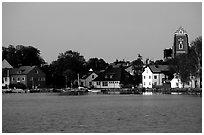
{"x":6,"y":68}
{"x":86,"y":80}
{"x":154,"y":75}
{"x":176,"y":82}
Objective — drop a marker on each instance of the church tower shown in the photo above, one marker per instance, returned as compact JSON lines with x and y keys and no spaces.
{"x":180,"y":45}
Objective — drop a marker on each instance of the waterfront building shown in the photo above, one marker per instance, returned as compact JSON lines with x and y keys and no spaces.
{"x":30,"y":76}
{"x":180,"y":44}
{"x":113,"y":78}
{"x":86,"y":80}
{"x":154,"y":75}
{"x":6,"y":67}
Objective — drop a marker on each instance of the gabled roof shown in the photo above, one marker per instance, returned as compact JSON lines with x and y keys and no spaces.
{"x":180,"y":31}
{"x":159,"y":68}
{"x":22,"y":70}
{"x":5,"y":64}
{"x":112,"y":74}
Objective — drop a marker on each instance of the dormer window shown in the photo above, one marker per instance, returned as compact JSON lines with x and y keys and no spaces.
{"x":19,"y":72}
{"x":106,"y":76}
{"x":111,"y":76}
{"x":36,"y":71}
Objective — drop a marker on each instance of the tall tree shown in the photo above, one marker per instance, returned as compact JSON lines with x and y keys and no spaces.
{"x":96,"y":64}
{"x":22,"y":55}
{"x":138,"y":68}
{"x":67,"y":66}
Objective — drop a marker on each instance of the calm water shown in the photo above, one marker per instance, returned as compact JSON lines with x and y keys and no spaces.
{"x":45,"y":112}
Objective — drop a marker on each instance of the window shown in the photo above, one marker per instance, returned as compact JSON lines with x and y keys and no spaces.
{"x":23,"y":79}
{"x":5,"y":79}
{"x":155,"y":77}
{"x":177,"y":84}
{"x":19,"y":72}
{"x":105,"y":83}
{"x":106,"y":76}
{"x":144,"y":77}
{"x":180,"y":46}
{"x":144,"y":83}
{"x":149,"y":77}
{"x":18,"y":79}
{"x":36,"y":71}
{"x":147,"y":71}
{"x":92,"y":76}
{"x":111,"y":76}
{"x":90,"y":83}
{"x":155,"y":83}
{"x":149,"y":83}
{"x":97,"y":83}
{"x":13,"y":79}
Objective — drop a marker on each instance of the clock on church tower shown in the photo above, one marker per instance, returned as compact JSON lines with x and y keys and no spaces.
{"x":181,"y":45}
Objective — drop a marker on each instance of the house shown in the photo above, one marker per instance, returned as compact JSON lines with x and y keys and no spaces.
{"x":176,"y":82}
{"x":154,"y":75}
{"x":113,"y":78}
{"x":6,"y":67}
{"x":30,"y":76}
{"x":86,"y":80}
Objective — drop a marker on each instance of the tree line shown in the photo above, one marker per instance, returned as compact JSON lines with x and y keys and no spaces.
{"x":70,"y":64}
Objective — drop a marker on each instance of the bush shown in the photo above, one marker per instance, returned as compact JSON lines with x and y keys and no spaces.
{"x":18,"y":86}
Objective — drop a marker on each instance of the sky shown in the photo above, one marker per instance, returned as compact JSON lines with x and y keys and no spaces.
{"x":104,"y":30}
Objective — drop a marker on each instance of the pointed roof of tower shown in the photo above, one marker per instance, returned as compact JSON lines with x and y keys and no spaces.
{"x":180,"y":31}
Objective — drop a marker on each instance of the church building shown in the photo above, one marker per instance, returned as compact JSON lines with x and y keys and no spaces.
{"x":180,"y":45}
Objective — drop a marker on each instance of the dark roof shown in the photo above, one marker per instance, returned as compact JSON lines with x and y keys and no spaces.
{"x":113,"y":74}
{"x":159,"y":68}
{"x":23,"y":69}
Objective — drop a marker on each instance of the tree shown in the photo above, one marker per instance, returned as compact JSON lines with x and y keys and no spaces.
{"x":22,"y":55}
{"x":195,"y":53}
{"x":138,"y":69}
{"x":68,"y":63}
{"x":96,"y":64}
{"x":190,"y":64}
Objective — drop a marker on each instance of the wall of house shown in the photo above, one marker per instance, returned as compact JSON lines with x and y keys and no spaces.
{"x":106,"y":84}
{"x":5,"y":81}
{"x":36,"y":79}
{"x":147,"y":78}
{"x":19,"y":79}
{"x":157,"y":79}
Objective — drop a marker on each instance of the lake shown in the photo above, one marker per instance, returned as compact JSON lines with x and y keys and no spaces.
{"x":51,"y":113}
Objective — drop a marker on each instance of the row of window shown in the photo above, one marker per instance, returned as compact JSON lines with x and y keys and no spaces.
{"x":18,"y":79}
{"x":106,"y":83}
{"x":39,"y":79}
{"x":155,"y":83}
{"x":155,"y":77}
{"x":31,"y":79}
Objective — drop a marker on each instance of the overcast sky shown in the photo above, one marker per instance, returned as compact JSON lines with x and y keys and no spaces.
{"x":104,"y":30}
